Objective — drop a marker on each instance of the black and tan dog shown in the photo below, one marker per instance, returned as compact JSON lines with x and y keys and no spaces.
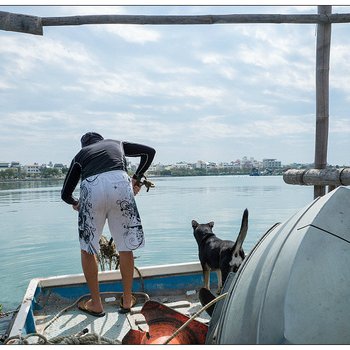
{"x":222,"y":256}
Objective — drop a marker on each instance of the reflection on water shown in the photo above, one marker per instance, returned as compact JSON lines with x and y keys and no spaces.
{"x":39,"y":231}
{"x":13,"y":185}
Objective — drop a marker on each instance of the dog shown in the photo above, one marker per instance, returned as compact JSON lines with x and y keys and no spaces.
{"x":222,"y":256}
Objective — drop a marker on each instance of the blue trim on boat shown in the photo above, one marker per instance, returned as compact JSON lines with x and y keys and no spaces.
{"x":155,"y":285}
{"x":30,"y":322}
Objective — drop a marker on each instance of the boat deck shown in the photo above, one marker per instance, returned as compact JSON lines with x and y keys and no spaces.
{"x":49,"y":307}
{"x":113,"y":326}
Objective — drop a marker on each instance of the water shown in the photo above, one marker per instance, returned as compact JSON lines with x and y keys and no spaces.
{"x":38,"y":232}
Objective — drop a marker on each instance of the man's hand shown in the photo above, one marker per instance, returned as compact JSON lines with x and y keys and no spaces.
{"x":76,"y":206}
{"x":136,"y":187}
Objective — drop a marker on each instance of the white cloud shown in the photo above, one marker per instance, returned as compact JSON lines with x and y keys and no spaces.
{"x":5,"y":85}
{"x":217,"y":127}
{"x":339,"y":126}
{"x":130,"y":33}
{"x":280,"y":127}
{"x":223,"y":86}
{"x":34,"y":53}
{"x":133,"y":33}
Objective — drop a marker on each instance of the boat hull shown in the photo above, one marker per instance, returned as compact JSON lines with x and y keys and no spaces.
{"x":293,"y":288}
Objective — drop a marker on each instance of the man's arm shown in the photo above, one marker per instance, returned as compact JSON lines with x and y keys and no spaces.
{"x":137,"y":150}
{"x":70,"y":182}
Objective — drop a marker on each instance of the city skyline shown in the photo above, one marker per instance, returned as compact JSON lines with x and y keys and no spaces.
{"x":133,"y":162}
{"x":215,"y":92}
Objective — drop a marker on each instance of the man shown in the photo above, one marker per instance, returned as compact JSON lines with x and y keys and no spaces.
{"x":107,"y":193}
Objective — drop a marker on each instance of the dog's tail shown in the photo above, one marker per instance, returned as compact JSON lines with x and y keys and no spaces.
{"x":242,"y":233}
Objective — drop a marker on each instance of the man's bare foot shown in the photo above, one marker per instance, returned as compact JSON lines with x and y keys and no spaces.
{"x":90,"y":308}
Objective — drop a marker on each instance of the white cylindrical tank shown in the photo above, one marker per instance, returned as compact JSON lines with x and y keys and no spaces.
{"x":294,"y":286}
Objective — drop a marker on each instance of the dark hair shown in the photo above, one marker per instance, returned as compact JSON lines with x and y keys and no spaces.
{"x":89,"y":138}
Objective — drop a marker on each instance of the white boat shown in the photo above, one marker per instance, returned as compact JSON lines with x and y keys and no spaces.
{"x":49,"y":308}
{"x":292,"y":288}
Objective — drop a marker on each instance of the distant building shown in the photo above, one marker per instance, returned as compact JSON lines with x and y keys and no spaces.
{"x":32,"y":169}
{"x":182,"y":165}
{"x":201,"y":164}
{"x":58,"y":166}
{"x":156,"y":167}
{"x":15,"y":165}
{"x":211,"y":165}
{"x":225,"y":165}
{"x":246,"y":163}
{"x":4,"y":165}
{"x":271,"y":164}
{"x":236,"y":164}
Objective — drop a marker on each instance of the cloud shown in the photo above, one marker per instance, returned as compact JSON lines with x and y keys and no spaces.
{"x":133,"y":33}
{"x":218,"y":127}
{"x":129,"y":33}
{"x":245,"y":87}
{"x":340,"y":126}
{"x":35,"y":53}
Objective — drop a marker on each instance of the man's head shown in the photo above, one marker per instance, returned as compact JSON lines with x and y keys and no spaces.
{"x":89,"y":138}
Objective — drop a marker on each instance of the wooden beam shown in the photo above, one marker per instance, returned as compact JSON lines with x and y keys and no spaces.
{"x":323,"y":45}
{"x":319,"y":177}
{"x":193,"y":19}
{"x":20,"y":23}
{"x":181,"y":20}
{"x":33,"y":25}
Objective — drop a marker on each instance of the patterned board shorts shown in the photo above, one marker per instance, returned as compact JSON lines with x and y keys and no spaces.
{"x":109,"y":196}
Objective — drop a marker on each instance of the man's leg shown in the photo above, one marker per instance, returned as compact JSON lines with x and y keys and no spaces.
{"x":126,"y":260}
{"x":90,"y":269}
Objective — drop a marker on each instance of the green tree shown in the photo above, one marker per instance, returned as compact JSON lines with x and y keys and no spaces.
{"x":10,"y":173}
{"x":50,"y":172}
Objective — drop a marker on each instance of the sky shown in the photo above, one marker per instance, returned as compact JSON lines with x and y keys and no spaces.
{"x":197,"y":92}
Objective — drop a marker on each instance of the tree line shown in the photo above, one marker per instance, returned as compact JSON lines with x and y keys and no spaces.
{"x":20,"y":174}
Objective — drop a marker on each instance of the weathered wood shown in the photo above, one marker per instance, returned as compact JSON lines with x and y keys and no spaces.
{"x":33,"y":25}
{"x":20,"y":23}
{"x":319,"y":177}
{"x":188,"y":19}
{"x":322,"y":94}
{"x":331,"y":188}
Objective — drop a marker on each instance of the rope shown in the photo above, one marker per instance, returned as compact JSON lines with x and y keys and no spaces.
{"x":94,"y":338}
{"x":194,"y":316}
{"x":141,"y":278}
{"x":86,"y":339}
{"x":90,"y":338}
{"x":146,"y":296}
{"x":64,"y":310}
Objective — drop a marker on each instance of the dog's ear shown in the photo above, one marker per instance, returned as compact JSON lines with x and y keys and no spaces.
{"x":194,"y":223}
{"x":211,"y":224}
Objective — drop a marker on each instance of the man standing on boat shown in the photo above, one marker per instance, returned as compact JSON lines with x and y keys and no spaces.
{"x":107,"y":193}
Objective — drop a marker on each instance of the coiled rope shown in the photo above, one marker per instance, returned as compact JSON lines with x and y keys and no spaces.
{"x":86,"y":339}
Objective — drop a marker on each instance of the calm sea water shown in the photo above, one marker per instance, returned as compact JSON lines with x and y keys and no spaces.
{"x":38,"y":232}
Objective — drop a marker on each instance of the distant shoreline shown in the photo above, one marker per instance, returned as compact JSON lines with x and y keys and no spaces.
{"x":28,"y":180}
{"x":148,"y":176}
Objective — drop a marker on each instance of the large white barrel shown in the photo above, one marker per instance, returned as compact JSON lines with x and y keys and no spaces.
{"x":294,"y":287}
